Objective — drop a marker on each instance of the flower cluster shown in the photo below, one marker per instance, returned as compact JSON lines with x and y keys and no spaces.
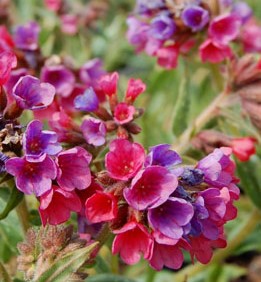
{"x":165,"y":29}
{"x":156,"y":206}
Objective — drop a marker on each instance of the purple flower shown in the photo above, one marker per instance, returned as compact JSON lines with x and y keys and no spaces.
{"x":73,"y":169}
{"x":144,"y":6}
{"x":195,"y":17}
{"x":3,"y":159}
{"x":242,"y":11}
{"x":171,"y":217}
{"x":94,"y":131}
{"x":30,"y":93}
{"x":162,"y":155}
{"x":32,"y":177}
{"x":150,"y":188}
{"x":192,"y":177}
{"x":162,"y":27}
{"x":38,"y":143}
{"x":26,"y":36}
{"x":88,"y":101}
{"x":60,"y":77}
{"x":15,"y":75}
{"x":91,"y":71}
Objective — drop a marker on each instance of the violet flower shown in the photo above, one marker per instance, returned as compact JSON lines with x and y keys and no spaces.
{"x":171,"y":217}
{"x":88,"y":101}
{"x":94,"y":131}
{"x":242,"y":11}
{"x":37,"y":143}
{"x":195,"y":17}
{"x":162,"y":27}
{"x":26,"y":36}
{"x":30,"y":93}
{"x":60,"y":77}
{"x":32,"y":177}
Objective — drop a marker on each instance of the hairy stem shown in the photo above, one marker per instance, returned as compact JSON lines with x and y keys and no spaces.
{"x":221,"y":255}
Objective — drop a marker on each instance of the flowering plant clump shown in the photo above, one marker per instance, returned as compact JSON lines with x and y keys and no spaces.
{"x":167,"y":29}
{"x":99,"y":170}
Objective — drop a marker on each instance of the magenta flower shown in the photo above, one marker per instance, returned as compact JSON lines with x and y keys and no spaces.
{"x":162,"y":26}
{"x":15,"y":75}
{"x":69,"y":24}
{"x":6,"y":40}
{"x":73,"y":169}
{"x":94,"y":131}
{"x":32,"y":177}
{"x":131,"y":241}
{"x":251,"y":36}
{"x":60,"y":77}
{"x":88,"y":101}
{"x":38,"y":142}
{"x":150,"y":188}
{"x":26,"y":36}
{"x":109,"y":83}
{"x":168,"y":56}
{"x":195,"y":17}
{"x":134,"y":89}
{"x":124,"y":159}
{"x":7,"y":62}
{"x":214,"y":52}
{"x":171,"y":217}
{"x":91,"y":72}
{"x":224,"y":28}
{"x":30,"y":93}
{"x":166,"y":255}
{"x":123,"y":113}
{"x":101,"y":207}
{"x":53,"y":5}
{"x":57,"y":204}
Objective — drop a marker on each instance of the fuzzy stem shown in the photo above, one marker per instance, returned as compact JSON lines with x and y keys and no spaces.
{"x":183,"y":142}
{"x":221,"y":255}
{"x":23,"y":215}
{"x":104,"y":234}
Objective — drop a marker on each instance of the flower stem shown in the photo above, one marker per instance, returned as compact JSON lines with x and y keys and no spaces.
{"x":221,"y":255}
{"x":4,"y":276}
{"x":23,"y":215}
{"x":183,"y":142}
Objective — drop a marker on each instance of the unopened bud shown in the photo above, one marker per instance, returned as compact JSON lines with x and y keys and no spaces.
{"x":254,"y":112}
{"x":133,"y":128}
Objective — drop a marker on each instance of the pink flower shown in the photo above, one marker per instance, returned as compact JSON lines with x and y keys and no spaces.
{"x":6,"y":40}
{"x":150,"y":188}
{"x":101,"y":207}
{"x":8,"y":61}
{"x":214,"y":52}
{"x":69,"y":24}
{"x":134,"y":89}
{"x":53,"y":5}
{"x":124,"y":159}
{"x":131,"y":241}
{"x":57,"y":204}
{"x":123,"y":113}
{"x":251,"y":36}
{"x":224,"y":28}
{"x":168,"y":56}
{"x":243,"y":148}
{"x":109,"y":83}
{"x":73,"y":169}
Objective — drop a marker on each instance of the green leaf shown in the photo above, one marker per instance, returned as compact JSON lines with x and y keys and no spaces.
{"x":62,"y":269}
{"x":4,"y":276}
{"x":14,"y":199}
{"x":108,"y":278}
{"x":181,"y":109}
{"x":250,"y":181}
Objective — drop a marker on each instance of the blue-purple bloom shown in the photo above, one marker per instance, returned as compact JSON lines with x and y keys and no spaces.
{"x":3,"y":159}
{"x":91,"y":71}
{"x":195,"y":17}
{"x":162,"y":155}
{"x":192,"y":176}
{"x":32,"y":177}
{"x":30,"y":93}
{"x":242,"y":11}
{"x":37,"y":143}
{"x":171,"y":217}
{"x":60,"y":77}
{"x":144,"y":6}
{"x":94,"y":131}
{"x":162,"y":27}
{"x":26,"y":36}
{"x":88,"y":101}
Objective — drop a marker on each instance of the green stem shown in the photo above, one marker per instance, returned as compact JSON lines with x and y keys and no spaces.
{"x":221,"y":255}
{"x":183,"y":142}
{"x":151,"y":274}
{"x":23,"y":215}
{"x":115,"y":264}
{"x":4,"y":276}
